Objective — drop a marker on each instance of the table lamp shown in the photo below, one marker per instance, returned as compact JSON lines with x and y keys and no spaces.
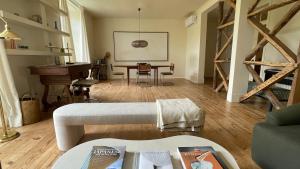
{"x":7,"y":34}
{"x":6,"y":134}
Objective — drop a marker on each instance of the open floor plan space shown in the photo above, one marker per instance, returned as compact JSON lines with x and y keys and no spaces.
{"x":228,"y":124}
{"x":149,"y":84}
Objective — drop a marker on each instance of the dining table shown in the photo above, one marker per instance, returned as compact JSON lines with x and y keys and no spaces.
{"x":154,"y":67}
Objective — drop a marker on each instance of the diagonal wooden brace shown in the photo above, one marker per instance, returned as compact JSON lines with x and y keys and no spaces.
{"x":268,"y":83}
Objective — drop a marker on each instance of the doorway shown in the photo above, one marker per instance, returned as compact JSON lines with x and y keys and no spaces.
{"x":210,"y":52}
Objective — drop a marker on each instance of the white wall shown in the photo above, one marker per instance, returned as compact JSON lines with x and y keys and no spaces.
{"x":196,"y":44}
{"x":103,"y":33}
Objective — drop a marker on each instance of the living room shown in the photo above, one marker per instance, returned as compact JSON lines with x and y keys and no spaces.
{"x":152,"y":81}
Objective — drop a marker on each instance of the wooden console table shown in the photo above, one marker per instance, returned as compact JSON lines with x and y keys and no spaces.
{"x":59,"y":75}
{"x":155,"y":67}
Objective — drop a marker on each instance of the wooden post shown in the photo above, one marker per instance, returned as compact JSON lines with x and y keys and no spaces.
{"x":294,"y":97}
{"x":223,"y":23}
{"x":219,"y":41}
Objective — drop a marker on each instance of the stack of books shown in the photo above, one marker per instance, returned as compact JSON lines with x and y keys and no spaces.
{"x":103,"y":157}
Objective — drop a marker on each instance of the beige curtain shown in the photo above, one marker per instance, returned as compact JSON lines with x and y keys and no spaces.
{"x":8,"y":92}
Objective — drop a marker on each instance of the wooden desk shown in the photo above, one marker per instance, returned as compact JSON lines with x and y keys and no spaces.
{"x":154,"y":67}
{"x":59,"y":75}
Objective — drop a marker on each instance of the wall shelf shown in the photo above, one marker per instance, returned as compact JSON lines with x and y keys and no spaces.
{"x":28,"y":52}
{"x":22,"y":20}
{"x":53,"y":7}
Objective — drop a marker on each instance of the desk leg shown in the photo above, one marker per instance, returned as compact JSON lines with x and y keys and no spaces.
{"x":157,"y":77}
{"x":128,"y":76}
{"x":45,"y":96}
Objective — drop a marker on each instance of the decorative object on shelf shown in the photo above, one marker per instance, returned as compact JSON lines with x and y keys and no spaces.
{"x":55,"y":25}
{"x":23,"y":47}
{"x":69,"y":57}
{"x":57,"y":60}
{"x":139,"y":43}
{"x":9,"y":36}
{"x":6,"y":134}
{"x":36,"y":18}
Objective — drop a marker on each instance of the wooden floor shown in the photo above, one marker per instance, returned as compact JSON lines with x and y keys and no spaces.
{"x":228,"y":124}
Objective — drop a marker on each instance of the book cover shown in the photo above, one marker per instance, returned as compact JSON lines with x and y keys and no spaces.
{"x":200,"y":158}
{"x":155,"y":160}
{"x":103,"y":157}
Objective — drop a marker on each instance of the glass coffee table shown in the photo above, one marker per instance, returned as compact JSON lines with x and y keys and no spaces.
{"x":74,"y":158}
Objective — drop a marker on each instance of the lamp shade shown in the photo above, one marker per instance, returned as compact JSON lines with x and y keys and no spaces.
{"x":7,"y":34}
{"x":139,"y":43}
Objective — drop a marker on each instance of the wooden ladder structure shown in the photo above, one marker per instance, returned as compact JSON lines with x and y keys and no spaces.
{"x":219,"y":59}
{"x":269,"y":36}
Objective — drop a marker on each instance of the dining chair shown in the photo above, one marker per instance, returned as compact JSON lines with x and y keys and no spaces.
{"x":115,"y":73}
{"x":169,"y":73}
{"x":144,"y":69}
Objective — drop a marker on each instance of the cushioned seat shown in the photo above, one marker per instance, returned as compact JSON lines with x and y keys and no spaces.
{"x":276,"y":142}
{"x":69,"y":120}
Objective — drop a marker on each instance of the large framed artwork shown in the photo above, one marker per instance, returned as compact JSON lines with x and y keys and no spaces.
{"x":157,"y":49}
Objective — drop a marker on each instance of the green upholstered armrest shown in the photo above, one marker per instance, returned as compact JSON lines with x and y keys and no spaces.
{"x":286,"y":116}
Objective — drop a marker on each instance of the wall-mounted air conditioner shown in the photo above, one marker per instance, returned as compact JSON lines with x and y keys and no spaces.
{"x":190,"y":20}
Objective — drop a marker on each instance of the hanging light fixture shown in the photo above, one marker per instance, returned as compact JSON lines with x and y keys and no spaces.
{"x":139,"y":43}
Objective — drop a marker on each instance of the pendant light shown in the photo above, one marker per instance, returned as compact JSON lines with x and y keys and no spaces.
{"x":139,"y":43}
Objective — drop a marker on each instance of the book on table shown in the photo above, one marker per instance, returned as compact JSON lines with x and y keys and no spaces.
{"x":103,"y":157}
{"x":153,"y":160}
{"x":200,"y":158}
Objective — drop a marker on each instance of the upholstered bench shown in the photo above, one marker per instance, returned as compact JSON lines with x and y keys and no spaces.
{"x":69,"y":120}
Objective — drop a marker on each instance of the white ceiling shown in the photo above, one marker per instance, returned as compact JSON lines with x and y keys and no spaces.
{"x":164,"y":9}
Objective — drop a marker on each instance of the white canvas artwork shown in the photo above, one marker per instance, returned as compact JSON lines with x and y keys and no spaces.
{"x":157,"y":49}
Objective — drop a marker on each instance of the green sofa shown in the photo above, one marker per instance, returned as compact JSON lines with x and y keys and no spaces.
{"x":276,"y":142}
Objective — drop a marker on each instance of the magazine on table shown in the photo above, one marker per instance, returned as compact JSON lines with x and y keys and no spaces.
{"x":103,"y":157}
{"x":200,"y":158}
{"x":153,"y":160}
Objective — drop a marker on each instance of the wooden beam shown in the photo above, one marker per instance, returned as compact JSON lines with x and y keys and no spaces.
{"x":294,"y":97}
{"x":273,"y":99}
{"x":271,"y":7}
{"x":278,"y":44}
{"x":220,"y":87}
{"x":223,"y":75}
{"x":224,"y":47}
{"x":230,"y":3}
{"x":254,"y":6}
{"x":226,"y":25}
{"x":268,"y":83}
{"x":223,"y":61}
{"x":271,"y":64}
{"x":292,"y":12}
{"x":228,"y":14}
{"x":219,"y":43}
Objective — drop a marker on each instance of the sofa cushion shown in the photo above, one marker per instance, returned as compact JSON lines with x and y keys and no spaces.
{"x":276,"y":147}
{"x":286,"y":116}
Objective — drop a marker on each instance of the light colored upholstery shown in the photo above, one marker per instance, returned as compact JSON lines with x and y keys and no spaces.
{"x":69,"y":120}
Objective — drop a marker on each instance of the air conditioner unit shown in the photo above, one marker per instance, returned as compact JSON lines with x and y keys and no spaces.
{"x":190,"y":20}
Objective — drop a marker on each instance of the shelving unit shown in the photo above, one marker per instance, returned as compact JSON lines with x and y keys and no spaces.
{"x":27,"y":22}
{"x":48,"y":10}
{"x":56,"y":9}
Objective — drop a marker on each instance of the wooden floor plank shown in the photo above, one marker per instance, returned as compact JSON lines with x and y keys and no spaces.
{"x":228,"y":124}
